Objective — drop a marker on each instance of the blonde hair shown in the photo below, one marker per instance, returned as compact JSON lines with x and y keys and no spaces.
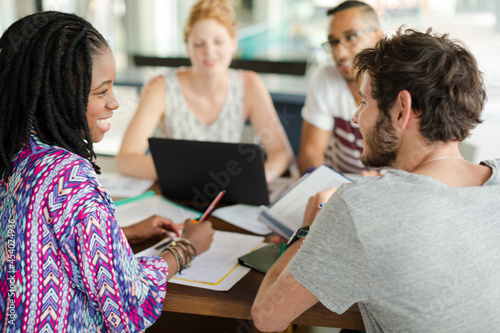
{"x":219,"y":10}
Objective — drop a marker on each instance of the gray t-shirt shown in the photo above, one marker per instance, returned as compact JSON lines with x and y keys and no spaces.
{"x":415,"y":254}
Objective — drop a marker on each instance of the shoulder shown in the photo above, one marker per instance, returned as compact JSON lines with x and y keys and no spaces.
{"x":154,"y":90}
{"x":58,"y":182}
{"x":157,"y":82}
{"x":391,"y":185}
{"x":54,"y":164}
{"x":494,"y":165}
{"x":46,"y":157}
{"x":253,"y":84}
{"x":76,"y":188}
{"x":251,"y":78}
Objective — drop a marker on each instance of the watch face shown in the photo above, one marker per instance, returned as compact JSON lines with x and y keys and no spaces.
{"x":299,"y":233}
{"x":302,"y":232}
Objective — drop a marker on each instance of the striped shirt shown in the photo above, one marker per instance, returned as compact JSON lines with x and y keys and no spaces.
{"x":330,"y":106}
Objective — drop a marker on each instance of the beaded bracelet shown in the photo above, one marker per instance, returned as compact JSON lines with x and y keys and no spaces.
{"x":183,"y":252}
{"x":176,"y":257}
{"x":188,"y":246}
{"x":182,"y":257}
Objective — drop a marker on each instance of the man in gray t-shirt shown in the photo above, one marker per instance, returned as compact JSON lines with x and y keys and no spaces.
{"x":416,"y":248}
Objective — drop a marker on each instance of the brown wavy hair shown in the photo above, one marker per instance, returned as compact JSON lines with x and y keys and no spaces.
{"x":219,"y":10}
{"x":442,"y":76}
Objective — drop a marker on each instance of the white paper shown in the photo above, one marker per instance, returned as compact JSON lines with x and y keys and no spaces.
{"x":156,"y":249}
{"x":142,"y":208}
{"x":217,"y":268}
{"x":243,"y":216}
{"x":289,"y":209}
{"x":279,"y":186}
{"x":123,"y":186}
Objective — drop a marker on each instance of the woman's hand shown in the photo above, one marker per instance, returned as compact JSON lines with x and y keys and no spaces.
{"x":200,"y":235}
{"x":153,"y":227}
{"x":312,"y":208}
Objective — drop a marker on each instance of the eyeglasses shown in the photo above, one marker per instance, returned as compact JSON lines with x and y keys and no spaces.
{"x":348,"y":41}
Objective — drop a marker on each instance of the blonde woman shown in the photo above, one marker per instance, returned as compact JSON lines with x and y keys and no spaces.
{"x":207,"y":101}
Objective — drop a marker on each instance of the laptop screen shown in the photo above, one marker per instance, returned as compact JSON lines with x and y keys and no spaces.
{"x":197,"y":171}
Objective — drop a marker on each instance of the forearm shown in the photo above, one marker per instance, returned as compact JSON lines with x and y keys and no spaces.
{"x":275,"y":271}
{"x":271,"y":311}
{"x":180,"y":254}
{"x":278,"y":267}
{"x":129,"y":234}
{"x":171,"y":262}
{"x":313,"y":144}
{"x":276,"y":164}
{"x":310,"y":158}
{"x":136,"y":165}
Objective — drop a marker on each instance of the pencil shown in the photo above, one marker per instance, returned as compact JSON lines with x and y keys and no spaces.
{"x":211,"y":207}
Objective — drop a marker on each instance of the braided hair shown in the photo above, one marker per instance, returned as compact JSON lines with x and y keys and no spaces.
{"x":45,"y":76}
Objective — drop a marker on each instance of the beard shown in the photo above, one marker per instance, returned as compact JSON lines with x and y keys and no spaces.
{"x":381,"y":144}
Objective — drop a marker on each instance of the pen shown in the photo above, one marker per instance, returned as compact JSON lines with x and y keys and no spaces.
{"x":211,"y":207}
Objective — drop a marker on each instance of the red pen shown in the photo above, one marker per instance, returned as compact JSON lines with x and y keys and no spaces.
{"x":211,"y":207}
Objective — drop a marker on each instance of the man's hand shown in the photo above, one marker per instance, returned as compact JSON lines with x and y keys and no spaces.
{"x":312,"y":208}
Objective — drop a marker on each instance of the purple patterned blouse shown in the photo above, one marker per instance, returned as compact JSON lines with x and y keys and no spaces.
{"x":65,"y":264}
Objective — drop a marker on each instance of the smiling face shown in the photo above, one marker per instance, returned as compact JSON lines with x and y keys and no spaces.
{"x":380,"y":142}
{"x":102,"y":100}
{"x":351,"y":24}
{"x":210,"y":47}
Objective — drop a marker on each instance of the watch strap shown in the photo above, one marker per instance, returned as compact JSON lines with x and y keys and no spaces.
{"x":299,"y":233}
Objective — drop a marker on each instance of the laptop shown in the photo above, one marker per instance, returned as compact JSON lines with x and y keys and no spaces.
{"x":198,"y":170}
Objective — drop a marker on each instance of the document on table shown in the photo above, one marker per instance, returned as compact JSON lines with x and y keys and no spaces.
{"x":130,"y":211}
{"x":246,"y":216}
{"x":243,"y":216}
{"x":218,"y":267}
{"x":123,"y":186}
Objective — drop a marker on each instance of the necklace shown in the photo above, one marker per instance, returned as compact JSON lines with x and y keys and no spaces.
{"x":442,"y":158}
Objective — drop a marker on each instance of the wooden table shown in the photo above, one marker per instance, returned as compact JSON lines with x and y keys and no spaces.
{"x":237,"y":302}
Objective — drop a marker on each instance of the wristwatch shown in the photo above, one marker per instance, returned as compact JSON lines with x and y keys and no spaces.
{"x":299,"y":233}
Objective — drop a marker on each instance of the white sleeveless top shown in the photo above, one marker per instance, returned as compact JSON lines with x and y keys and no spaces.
{"x":180,"y":123}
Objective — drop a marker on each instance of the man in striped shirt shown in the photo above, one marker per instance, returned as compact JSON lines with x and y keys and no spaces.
{"x":328,"y":135}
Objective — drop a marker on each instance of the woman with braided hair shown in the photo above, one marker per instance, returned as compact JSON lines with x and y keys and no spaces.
{"x":65,"y":264}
